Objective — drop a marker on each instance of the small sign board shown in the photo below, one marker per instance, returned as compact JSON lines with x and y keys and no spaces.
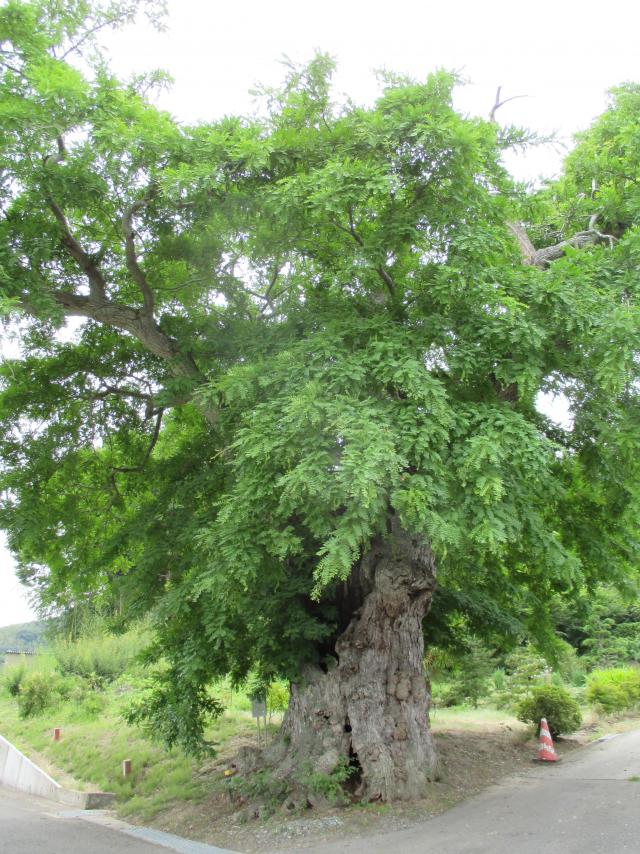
{"x":258,"y":708}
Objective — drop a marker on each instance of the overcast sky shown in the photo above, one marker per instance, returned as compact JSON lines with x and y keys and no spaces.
{"x":561,"y":55}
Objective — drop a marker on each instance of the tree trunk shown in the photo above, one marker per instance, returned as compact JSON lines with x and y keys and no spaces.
{"x":370,"y":705}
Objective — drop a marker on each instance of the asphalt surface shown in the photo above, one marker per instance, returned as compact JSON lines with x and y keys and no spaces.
{"x":587,"y":804}
{"x":31,"y":825}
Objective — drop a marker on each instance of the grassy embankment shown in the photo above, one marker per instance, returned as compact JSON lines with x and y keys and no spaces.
{"x":85,"y":688}
{"x":94,"y":743}
{"x":96,"y":740}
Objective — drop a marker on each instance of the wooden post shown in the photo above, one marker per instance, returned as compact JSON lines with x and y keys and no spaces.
{"x":259,"y":710}
{"x":126,"y":767}
{"x":56,"y":733}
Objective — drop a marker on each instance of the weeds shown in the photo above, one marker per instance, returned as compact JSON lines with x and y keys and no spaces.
{"x":330,"y":786}
{"x":12,"y":679}
{"x":261,"y":786}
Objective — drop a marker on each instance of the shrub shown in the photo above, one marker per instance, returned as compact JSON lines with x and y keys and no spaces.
{"x":499,"y":679}
{"x":471,"y":679}
{"x":330,"y":786}
{"x":98,"y":658}
{"x":612,"y":630}
{"x":13,"y":677}
{"x":446,"y":695}
{"x":614,"y":690}
{"x":570,"y":669}
{"x":260,"y":786}
{"x":92,"y":705}
{"x":38,"y":691}
{"x":525,"y":668}
{"x":553,"y":703}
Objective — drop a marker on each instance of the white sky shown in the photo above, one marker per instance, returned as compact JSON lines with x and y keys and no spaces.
{"x":562,"y":55}
{"x":14,"y":607}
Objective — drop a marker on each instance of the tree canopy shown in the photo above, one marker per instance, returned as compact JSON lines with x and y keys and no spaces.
{"x":298,"y":332}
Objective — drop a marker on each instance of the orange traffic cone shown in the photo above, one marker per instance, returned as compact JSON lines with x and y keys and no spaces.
{"x":546,"y":750}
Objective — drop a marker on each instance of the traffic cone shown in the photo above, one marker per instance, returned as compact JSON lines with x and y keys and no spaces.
{"x":546,"y":750}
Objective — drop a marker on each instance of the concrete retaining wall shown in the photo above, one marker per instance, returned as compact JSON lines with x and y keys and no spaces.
{"x":19,"y":772}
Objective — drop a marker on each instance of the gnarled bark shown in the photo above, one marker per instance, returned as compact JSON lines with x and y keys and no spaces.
{"x":370,"y":705}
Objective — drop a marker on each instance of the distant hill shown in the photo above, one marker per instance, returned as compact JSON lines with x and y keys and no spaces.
{"x":22,"y":636}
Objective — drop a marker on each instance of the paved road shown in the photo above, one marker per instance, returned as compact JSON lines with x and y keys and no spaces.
{"x":587,"y":804}
{"x":31,"y":825}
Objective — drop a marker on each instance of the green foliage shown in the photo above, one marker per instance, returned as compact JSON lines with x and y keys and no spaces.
{"x":23,"y":636}
{"x":170,"y":713}
{"x":606,"y":162}
{"x":612,"y":630}
{"x":12,"y":678}
{"x":277,"y":697}
{"x":38,"y":692}
{"x":471,"y":679}
{"x":262,"y":787}
{"x":296,"y":329}
{"x":569,"y":668}
{"x":524,"y":668}
{"x":330,"y":785}
{"x":98,"y":658}
{"x":499,"y":679}
{"x":603,"y":626}
{"x":614,"y":690}
{"x":554,"y":703}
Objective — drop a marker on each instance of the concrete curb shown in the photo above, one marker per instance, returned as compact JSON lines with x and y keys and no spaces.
{"x":19,"y":772}
{"x":149,"y":834}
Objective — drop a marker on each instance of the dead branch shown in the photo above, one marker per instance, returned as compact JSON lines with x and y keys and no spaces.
{"x":498,"y":103}
{"x":543,"y":257}
{"x":527,"y":249}
{"x":592,"y":237}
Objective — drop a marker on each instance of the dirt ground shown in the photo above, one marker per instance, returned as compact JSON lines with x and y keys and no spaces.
{"x":469,"y":762}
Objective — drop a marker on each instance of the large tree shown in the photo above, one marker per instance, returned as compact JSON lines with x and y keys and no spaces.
{"x":306,"y":377}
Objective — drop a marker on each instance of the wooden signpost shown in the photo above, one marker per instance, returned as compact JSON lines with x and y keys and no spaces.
{"x":259,"y":710}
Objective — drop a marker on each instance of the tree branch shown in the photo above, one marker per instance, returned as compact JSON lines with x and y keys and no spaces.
{"x":60,"y":155}
{"x":267,"y":293}
{"x":380,"y":270}
{"x":97,"y":282}
{"x":527,"y":249}
{"x":498,"y":103}
{"x":100,"y":25}
{"x":107,"y":390}
{"x":12,"y":67}
{"x":352,"y":229}
{"x":134,"y":268}
{"x":543,"y":257}
{"x":123,"y":391}
{"x":154,"y":440}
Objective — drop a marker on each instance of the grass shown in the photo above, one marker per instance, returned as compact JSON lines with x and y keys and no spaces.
{"x":95,"y":741}
{"x":598,"y":724}
{"x":482,"y":719}
{"x":93,"y":747}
